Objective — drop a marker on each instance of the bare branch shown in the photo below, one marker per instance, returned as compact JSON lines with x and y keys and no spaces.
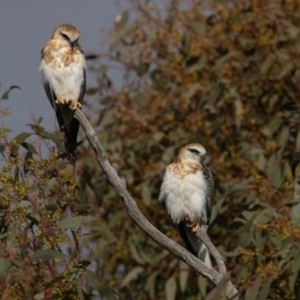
{"x":202,"y":235}
{"x":138,"y":218}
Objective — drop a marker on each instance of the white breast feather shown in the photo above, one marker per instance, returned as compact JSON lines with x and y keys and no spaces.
{"x":64,"y":81}
{"x":184,"y":196}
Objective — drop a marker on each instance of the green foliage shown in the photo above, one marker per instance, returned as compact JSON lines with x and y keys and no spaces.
{"x":46,"y":231}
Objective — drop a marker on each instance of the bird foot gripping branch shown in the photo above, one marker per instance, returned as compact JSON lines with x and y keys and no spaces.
{"x":195,"y":226}
{"x":62,"y":101}
{"x":74,"y":104}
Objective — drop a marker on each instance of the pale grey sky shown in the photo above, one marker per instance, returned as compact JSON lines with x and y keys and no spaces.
{"x":25,"y":26}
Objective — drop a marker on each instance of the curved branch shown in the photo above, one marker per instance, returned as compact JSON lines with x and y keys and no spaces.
{"x":202,"y":235}
{"x":137,"y":217}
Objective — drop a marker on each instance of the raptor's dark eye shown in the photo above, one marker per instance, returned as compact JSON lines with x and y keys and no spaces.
{"x":194,"y":151}
{"x":64,"y":36}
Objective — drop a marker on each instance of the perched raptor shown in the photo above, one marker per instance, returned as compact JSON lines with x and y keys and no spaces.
{"x":188,"y":188}
{"x":64,"y":79}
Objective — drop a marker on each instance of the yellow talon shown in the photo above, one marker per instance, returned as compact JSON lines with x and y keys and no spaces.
{"x":78,"y":104}
{"x":75,"y":105}
{"x":195,"y":226}
{"x":61,"y":101}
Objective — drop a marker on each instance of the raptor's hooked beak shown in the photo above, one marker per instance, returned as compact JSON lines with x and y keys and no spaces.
{"x":74,"y":44}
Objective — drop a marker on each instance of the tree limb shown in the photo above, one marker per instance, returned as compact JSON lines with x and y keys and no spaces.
{"x":138,"y":218}
{"x":202,"y":235}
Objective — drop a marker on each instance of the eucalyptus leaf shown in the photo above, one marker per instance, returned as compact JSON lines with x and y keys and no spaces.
{"x":48,"y":254}
{"x":74,"y":222}
{"x":29,"y":147}
{"x":264,"y":293}
{"x":171,"y":288}
{"x":146,"y":194}
{"x":5,"y":265}
{"x":132,"y":275}
{"x":20,"y":138}
{"x":183,"y":275}
{"x":252,"y":293}
{"x":103,"y":290}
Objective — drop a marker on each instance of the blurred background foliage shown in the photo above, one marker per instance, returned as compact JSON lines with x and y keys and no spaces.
{"x":222,"y":73}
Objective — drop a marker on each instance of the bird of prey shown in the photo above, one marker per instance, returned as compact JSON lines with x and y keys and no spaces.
{"x":64,"y":79}
{"x":187,"y":189}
